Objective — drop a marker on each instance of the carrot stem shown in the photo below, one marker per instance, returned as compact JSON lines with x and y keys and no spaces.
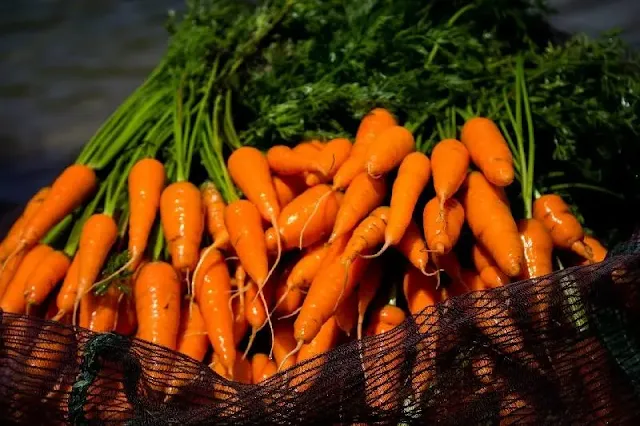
{"x":231,"y":136}
{"x":564,"y":186}
{"x":177,"y":134}
{"x":158,"y":245}
{"x":57,"y":230}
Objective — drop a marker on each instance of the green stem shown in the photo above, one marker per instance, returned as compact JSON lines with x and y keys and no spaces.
{"x":158,"y":245}
{"x":74,"y":238}
{"x":116,"y":187}
{"x":57,"y":230}
{"x":452,"y":20}
{"x":229,"y":129}
{"x":531,"y":155}
{"x":578,"y":185}
{"x":177,"y":135}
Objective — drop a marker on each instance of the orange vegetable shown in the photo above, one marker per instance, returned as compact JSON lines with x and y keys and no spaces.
{"x":288,"y":299}
{"x":333,"y":156}
{"x":214,"y":207}
{"x":307,"y":267}
{"x":287,"y":188}
{"x":324,"y":341}
{"x":45,"y":276}
{"x":12,"y":238}
{"x":192,"y":333}
{"x":450,"y":162}
{"x":442,"y":224}
{"x":157,"y":299}
{"x":363,"y":195}
{"x":388,"y":150}
{"x":100,"y":313}
{"x":146,"y":181}
{"x":127,"y":321}
{"x":538,"y":248}
{"x":566,"y":232}
{"x":490,"y":220}
{"x":489,"y":272}
{"x":367,"y":290}
{"x":262,"y":368}
{"x":450,"y":264}
{"x":283,"y":344}
{"x":419,"y":290}
{"x":8,"y":272}
{"x":257,"y":311}
{"x":386,"y":319}
{"x":367,"y":235}
{"x":414,"y":248}
{"x":598,"y":251}
{"x":473,"y":281}
{"x":488,"y":150}
{"x":285,"y":161}
{"x":212,"y":296}
{"x":347,"y":313}
{"x":247,"y":238}
{"x":371,"y":126}
{"x":181,"y":214}
{"x":13,"y":300}
{"x":68,"y":292}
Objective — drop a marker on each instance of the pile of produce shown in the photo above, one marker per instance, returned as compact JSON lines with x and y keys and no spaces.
{"x":304,"y":173}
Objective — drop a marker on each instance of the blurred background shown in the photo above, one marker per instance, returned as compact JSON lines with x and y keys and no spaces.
{"x":65,"y":65}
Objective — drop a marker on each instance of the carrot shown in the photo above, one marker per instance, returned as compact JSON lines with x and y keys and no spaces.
{"x":347,"y":313}
{"x":442,"y":224}
{"x":566,"y":232}
{"x":256,"y":313}
{"x":309,"y":218}
{"x":333,"y":156}
{"x":414,"y":248}
{"x":325,"y":340}
{"x":181,"y":214}
{"x":472,"y":280}
{"x":372,"y":124}
{"x":289,"y":299}
{"x":419,"y":290}
{"x":367,"y":235}
{"x":598,"y":251}
{"x":450,"y":264}
{"x":67,"y":192}
{"x":307,"y":267}
{"x":8,"y":272}
{"x":13,"y":299}
{"x":45,"y":276}
{"x":363,"y":195}
{"x":258,"y":363}
{"x":98,"y":235}
{"x":450,"y":162}
{"x":489,"y":272}
{"x":157,"y":299}
{"x":287,"y":188}
{"x":242,"y":371}
{"x":367,"y":290}
{"x":100,"y":313}
{"x":283,"y":344}
{"x":212,"y":297}
{"x":385,"y":319}
{"x":538,"y":248}
{"x":492,"y":224}
{"x":285,"y":161}
{"x":249,"y":169}
{"x":146,"y":181}
{"x":240,"y":324}
{"x":269,"y":370}
{"x":488,"y":150}
{"x":332,"y":285}
{"x":388,"y":150}
{"x":192,"y":333}
{"x":413,"y":175}
{"x":214,"y":207}
{"x":127,"y":321}
{"x":247,"y":238}
{"x":12,"y":238}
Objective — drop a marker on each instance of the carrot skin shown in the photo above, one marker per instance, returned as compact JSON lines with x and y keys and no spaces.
{"x":100,"y":313}
{"x":413,"y":176}
{"x":182,"y":217}
{"x":450,"y":162}
{"x":419,"y":290}
{"x":538,"y":248}
{"x":566,"y":232}
{"x":347,"y":313}
{"x":307,"y":267}
{"x":333,"y":156}
{"x":388,"y":150}
{"x":12,"y":238}
{"x":287,"y":188}
{"x":286,"y":162}
{"x":157,"y":296}
{"x":127,"y":321}
{"x":442,"y":224}
{"x":489,"y":272}
{"x":598,"y":251}
{"x":367,"y":289}
{"x":214,"y":207}
{"x":247,"y":238}
{"x":13,"y":299}
{"x":413,"y":247}
{"x":283,"y":344}
{"x":68,"y":292}
{"x":44,"y":278}
{"x":492,"y":224}
{"x":146,"y":181}
{"x":324,"y":341}
{"x":9,"y":271}
{"x":488,"y":150}
{"x":192,"y":333}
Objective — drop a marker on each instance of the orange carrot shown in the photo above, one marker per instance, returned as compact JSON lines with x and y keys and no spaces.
{"x":309,"y":218}
{"x":450,"y":161}
{"x":333,"y":156}
{"x":256,"y":311}
{"x":146,"y":181}
{"x":214,"y":207}
{"x":371,"y":126}
{"x":385,"y":319}
{"x":289,"y":299}
{"x":157,"y":296}
{"x":100,"y":313}
{"x":283,"y":344}
{"x":367,"y":235}
{"x":489,"y":272}
{"x":388,"y":150}
{"x":307,"y":267}
{"x":367,"y":290}
{"x":566,"y":232}
{"x":249,"y":169}
{"x":414,"y":248}
{"x":472,"y":280}
{"x":332,"y":285}
{"x":98,"y":235}
{"x":13,"y":299}
{"x":182,"y":218}
{"x":247,"y":238}
{"x":363,"y":195}
{"x":442,"y":224}
{"x":10,"y":268}
{"x":419,"y":290}
{"x":127,"y":321}
{"x":598,"y":251}
{"x":68,"y":191}
{"x":413,"y":175}
{"x":262,"y":368}
{"x":12,"y":239}
{"x":450,"y":264}
{"x":212,"y":296}
{"x":492,"y":224}
{"x":324,"y":341}
{"x":287,"y":188}
{"x":68,"y":292}
{"x":488,"y":150}
{"x":240,"y":324}
{"x":192,"y":333}
{"x":285,"y":161}
{"x":45,"y":276}
{"x":538,"y":248}
{"x":347,"y":313}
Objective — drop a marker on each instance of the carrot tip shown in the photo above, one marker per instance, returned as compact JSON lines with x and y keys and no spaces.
{"x":382,"y":250}
{"x":290,"y":354}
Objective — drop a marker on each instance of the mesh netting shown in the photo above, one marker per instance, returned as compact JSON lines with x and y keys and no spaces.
{"x":557,"y":350}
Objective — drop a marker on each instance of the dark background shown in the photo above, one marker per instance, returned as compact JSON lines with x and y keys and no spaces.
{"x":65,"y":65}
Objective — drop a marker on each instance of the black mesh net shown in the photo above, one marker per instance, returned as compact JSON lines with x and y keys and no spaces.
{"x":558,"y":350}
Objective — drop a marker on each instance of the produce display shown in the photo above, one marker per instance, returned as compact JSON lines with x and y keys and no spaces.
{"x":304,"y":174}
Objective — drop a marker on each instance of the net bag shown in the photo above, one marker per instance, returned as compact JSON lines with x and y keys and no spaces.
{"x":562,"y":349}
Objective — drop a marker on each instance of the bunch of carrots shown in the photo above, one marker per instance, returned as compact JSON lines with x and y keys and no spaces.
{"x":301,"y":255}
